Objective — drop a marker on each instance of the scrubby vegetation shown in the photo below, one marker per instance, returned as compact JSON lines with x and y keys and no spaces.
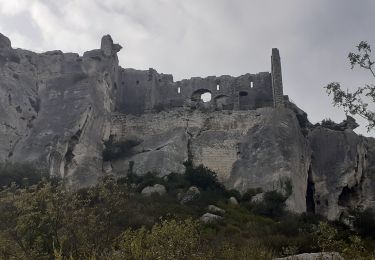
{"x":21,"y":174}
{"x":112,"y":220}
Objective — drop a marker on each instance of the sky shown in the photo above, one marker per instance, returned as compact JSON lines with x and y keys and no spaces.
{"x":189,"y":38}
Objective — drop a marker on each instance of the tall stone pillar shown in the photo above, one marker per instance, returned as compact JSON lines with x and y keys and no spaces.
{"x":277,"y":81}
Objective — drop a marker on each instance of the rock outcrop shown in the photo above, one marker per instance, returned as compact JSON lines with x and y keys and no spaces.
{"x":314,"y":256}
{"x":337,"y":170}
{"x":209,"y":218}
{"x":55,"y":109}
{"x":215,"y":210}
{"x":60,"y":109}
{"x":156,"y":189}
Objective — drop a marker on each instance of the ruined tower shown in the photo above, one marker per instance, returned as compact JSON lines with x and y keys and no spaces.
{"x":277,"y":81}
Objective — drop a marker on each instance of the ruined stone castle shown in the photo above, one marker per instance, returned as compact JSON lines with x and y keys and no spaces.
{"x":148,"y":91}
{"x":60,"y":110}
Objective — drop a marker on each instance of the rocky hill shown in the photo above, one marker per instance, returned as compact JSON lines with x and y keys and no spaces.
{"x":82,"y":117}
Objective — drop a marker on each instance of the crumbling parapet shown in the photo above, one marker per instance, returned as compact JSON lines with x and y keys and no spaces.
{"x":277,"y":81}
{"x":108,"y":47}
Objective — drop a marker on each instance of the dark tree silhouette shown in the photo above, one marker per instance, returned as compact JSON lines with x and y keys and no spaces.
{"x":357,"y":102}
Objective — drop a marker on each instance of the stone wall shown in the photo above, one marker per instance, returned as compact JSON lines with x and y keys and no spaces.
{"x":277,"y":81}
{"x":148,"y":91}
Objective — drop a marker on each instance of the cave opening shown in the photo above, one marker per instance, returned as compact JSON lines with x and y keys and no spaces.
{"x":310,"y":192}
{"x":347,"y":196}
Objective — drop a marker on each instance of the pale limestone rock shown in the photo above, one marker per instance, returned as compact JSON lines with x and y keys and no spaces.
{"x":157,"y":188}
{"x":58,"y":108}
{"x":337,"y":170}
{"x":233,"y":201}
{"x":215,"y":210}
{"x":5,"y":42}
{"x":314,"y":256}
{"x":208,"y":218}
{"x":257,"y":198}
{"x":55,"y":110}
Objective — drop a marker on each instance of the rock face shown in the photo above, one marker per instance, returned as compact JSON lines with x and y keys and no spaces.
{"x":337,"y":172}
{"x":314,"y":256}
{"x":59,"y":109}
{"x":55,"y":109}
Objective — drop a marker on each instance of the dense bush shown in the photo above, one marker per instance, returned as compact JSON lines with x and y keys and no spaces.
{"x":250,"y":193}
{"x":272,"y":205}
{"x":22,"y":174}
{"x":202,"y":177}
{"x":112,"y":220}
{"x":169,"y":239}
{"x":364,"y":222}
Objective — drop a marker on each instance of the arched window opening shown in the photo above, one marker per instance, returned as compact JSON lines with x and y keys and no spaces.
{"x":179,"y":90}
{"x":217,"y":87}
{"x":251,"y":84}
{"x":243,"y":93}
{"x":201,"y":95}
{"x":206,"y":97}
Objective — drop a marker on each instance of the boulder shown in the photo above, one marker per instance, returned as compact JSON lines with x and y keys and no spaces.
{"x":233,"y":201}
{"x":157,"y":188}
{"x":190,"y":195}
{"x":314,"y":256}
{"x":257,"y":198}
{"x":216,"y":210}
{"x":208,"y":218}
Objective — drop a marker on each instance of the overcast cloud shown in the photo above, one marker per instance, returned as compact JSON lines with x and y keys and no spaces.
{"x":210,"y":37}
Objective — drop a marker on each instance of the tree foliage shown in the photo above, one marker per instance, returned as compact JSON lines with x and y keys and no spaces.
{"x":169,"y":239}
{"x":357,"y":102}
{"x":22,"y":174}
{"x":112,"y":220}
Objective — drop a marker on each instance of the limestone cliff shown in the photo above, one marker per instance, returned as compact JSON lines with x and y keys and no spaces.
{"x":60,"y":110}
{"x":55,"y":108}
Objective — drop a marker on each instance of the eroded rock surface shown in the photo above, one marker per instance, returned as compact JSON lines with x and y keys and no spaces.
{"x":59,"y":109}
{"x":55,"y":109}
{"x":314,"y":256}
{"x":337,"y":170}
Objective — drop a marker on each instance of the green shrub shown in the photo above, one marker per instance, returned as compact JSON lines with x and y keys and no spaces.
{"x":247,"y":196}
{"x":233,"y":193}
{"x":22,"y":174}
{"x":166,"y":240}
{"x":272,"y":205}
{"x":149,"y":179}
{"x":176,"y":181}
{"x":202,"y":177}
{"x":364,"y":222}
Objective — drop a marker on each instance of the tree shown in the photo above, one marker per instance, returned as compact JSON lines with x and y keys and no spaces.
{"x":357,"y":102}
{"x":170,"y":239}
